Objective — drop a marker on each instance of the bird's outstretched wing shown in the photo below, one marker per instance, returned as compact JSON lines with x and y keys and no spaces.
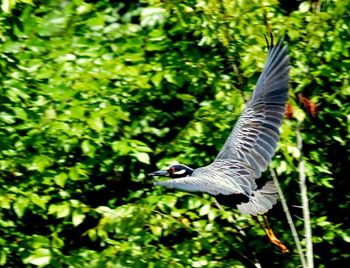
{"x":254,"y":137}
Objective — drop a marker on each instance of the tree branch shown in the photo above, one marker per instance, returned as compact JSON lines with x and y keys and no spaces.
{"x":289,"y":219}
{"x":305,"y":202}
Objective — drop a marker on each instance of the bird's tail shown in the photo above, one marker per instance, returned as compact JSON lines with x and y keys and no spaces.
{"x":261,"y":200}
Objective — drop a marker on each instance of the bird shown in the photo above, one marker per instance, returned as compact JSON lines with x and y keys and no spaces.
{"x":249,"y":147}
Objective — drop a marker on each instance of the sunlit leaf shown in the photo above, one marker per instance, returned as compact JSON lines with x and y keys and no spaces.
{"x":77,"y":217}
{"x":96,"y":123}
{"x":60,"y":179}
{"x":204,"y":210}
{"x":39,"y":257}
{"x":21,"y":205}
{"x":143,"y":157}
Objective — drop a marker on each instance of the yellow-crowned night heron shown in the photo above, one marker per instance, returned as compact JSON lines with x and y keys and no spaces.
{"x":250,"y":146}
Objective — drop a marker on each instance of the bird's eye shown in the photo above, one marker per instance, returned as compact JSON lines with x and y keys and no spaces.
{"x":171,"y":170}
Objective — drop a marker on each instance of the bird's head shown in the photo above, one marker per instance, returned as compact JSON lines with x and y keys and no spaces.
{"x":174,"y":171}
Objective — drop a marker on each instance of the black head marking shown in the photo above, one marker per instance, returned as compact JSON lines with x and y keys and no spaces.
{"x":174,"y":171}
{"x":179,"y":171}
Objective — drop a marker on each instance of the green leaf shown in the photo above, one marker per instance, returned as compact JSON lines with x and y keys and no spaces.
{"x":304,"y":6}
{"x":60,"y":179}
{"x":39,"y":241}
{"x":194,"y":203}
{"x":3,"y":257}
{"x":40,"y":201}
{"x":150,"y":16}
{"x":143,"y":158}
{"x":77,"y":217}
{"x":61,"y":210}
{"x":294,"y":151}
{"x":92,"y":233}
{"x":156,"y":230}
{"x":8,"y":5}
{"x":40,"y":257}
{"x":96,"y":123}
{"x":7,"y":118}
{"x":21,"y":205}
{"x":77,"y":173}
{"x":57,"y":242}
{"x":204,"y":210}
{"x":157,"y":79}
{"x":88,"y":148}
{"x":84,"y":8}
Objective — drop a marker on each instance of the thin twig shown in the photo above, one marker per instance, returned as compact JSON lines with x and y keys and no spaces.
{"x":305,"y":202}
{"x":295,"y":206}
{"x":289,"y":219}
{"x":218,"y":204}
{"x":240,"y":80}
{"x":299,"y":218}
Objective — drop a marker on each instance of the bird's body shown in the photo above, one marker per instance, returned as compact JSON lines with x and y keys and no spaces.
{"x":249,"y":148}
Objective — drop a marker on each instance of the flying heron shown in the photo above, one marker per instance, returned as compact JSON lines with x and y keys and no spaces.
{"x":249,"y":148}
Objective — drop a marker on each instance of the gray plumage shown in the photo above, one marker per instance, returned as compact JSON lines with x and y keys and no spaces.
{"x":249,"y":148}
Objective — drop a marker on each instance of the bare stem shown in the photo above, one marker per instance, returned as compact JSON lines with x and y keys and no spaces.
{"x":305,"y":202}
{"x":289,"y":219}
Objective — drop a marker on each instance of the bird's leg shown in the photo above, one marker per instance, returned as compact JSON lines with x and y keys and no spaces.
{"x":271,"y":235}
{"x":262,"y":226}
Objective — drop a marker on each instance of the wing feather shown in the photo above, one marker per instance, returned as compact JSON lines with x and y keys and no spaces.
{"x":254,"y":138}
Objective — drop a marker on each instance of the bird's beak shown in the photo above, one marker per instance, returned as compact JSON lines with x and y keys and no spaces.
{"x":160,"y":173}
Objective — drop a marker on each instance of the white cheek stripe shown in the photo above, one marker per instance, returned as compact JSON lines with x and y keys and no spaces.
{"x":180,"y":172}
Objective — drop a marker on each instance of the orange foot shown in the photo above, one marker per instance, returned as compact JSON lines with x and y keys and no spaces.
{"x":276,"y":241}
{"x":272,"y":237}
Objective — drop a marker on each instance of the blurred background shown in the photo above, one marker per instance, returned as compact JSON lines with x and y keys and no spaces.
{"x":97,"y":94}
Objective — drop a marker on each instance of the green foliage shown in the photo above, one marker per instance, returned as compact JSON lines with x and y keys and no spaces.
{"x":95,"y":93}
